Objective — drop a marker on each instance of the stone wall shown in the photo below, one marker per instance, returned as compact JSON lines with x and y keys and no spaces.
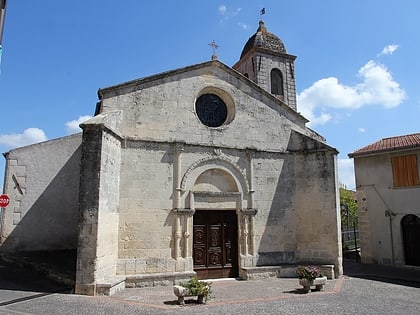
{"x":42,"y":183}
{"x":99,"y":209}
{"x":145,"y":227}
{"x":318,"y":212}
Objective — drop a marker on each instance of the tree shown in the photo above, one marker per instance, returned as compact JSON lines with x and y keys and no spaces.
{"x":348,"y":207}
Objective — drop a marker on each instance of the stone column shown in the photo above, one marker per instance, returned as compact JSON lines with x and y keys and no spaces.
{"x":188,"y":228}
{"x":250,"y":178}
{"x":185,"y":215}
{"x":245,"y":234}
{"x":251,"y":211}
{"x":178,"y":148}
{"x":248,"y":230}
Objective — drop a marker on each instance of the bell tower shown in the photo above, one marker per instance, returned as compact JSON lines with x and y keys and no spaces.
{"x":265,"y":61}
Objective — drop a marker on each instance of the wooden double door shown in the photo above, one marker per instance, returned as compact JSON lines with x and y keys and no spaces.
{"x":215,"y":244}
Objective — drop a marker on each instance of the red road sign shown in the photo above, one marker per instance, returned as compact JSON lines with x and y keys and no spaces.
{"x":4,"y":201}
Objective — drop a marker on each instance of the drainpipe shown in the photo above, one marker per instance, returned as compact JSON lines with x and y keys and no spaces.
{"x":390,"y":214}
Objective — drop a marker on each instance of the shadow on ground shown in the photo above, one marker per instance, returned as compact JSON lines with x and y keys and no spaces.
{"x":38,"y":271}
{"x":407,"y":275}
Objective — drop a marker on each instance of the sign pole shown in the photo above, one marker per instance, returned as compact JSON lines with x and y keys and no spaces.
{"x":2,"y":18}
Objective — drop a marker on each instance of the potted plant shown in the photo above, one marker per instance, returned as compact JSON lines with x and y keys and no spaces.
{"x":201,"y":289}
{"x":310,"y":276}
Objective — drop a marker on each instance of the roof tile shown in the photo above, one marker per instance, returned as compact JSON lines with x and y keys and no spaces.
{"x":389,"y":144}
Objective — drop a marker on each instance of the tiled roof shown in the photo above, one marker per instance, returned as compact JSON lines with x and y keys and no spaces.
{"x":389,"y":144}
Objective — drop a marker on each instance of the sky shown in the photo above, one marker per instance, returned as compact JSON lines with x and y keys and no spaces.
{"x":355,"y":68}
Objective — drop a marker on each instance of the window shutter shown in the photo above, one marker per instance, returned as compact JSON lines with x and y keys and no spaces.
{"x":405,"y":171}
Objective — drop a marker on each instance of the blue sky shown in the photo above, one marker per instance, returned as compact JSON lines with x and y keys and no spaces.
{"x":355,"y":68}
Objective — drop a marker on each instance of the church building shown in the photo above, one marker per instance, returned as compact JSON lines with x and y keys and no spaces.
{"x":206,"y":170}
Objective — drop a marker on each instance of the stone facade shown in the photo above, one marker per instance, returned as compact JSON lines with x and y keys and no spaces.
{"x":383,"y":204}
{"x":42,"y":182}
{"x":149,"y":163}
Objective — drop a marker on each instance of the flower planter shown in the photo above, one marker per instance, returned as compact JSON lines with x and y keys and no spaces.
{"x":182,"y":292}
{"x":317,"y":282}
{"x":193,"y":287}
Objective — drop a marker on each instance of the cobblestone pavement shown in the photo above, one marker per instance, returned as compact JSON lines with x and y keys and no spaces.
{"x":363,"y":290}
{"x":347,"y":295}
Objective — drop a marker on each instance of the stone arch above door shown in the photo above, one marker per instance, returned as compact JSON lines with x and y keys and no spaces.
{"x":211,"y":167}
{"x":215,"y":184}
{"x":215,"y":180}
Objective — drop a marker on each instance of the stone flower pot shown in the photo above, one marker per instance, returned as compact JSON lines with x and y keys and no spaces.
{"x":317,"y":282}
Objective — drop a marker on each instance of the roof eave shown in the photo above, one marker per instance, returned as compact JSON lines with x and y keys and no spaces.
{"x":380,"y":152}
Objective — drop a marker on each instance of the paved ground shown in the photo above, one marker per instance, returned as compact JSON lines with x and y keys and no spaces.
{"x":364,"y":289}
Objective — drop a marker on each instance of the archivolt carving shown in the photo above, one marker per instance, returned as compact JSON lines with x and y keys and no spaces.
{"x":207,"y":163}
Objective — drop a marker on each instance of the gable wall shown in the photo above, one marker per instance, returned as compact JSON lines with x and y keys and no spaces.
{"x":42,"y":181}
{"x":166,"y":112}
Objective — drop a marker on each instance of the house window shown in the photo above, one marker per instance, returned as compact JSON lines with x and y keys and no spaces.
{"x":405,"y":171}
{"x":276,"y":82}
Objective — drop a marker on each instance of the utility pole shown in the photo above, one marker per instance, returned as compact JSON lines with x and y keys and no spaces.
{"x":2,"y":18}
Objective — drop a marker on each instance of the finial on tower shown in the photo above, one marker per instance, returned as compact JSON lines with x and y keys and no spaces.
{"x":214,"y":46}
{"x":261,"y":27}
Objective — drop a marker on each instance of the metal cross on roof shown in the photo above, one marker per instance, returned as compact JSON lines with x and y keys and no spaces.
{"x":214,"y":46}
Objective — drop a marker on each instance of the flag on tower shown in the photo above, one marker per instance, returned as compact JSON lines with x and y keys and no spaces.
{"x":262,"y":11}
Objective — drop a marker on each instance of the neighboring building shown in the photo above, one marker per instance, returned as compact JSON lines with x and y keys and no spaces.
{"x":204,"y":169}
{"x":388,"y":197}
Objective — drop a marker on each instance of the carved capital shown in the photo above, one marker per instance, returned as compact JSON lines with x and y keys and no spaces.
{"x":184,"y":211}
{"x":250,"y":211}
{"x":179,"y":146}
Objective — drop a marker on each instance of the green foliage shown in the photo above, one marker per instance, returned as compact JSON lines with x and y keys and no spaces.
{"x":348,"y":208}
{"x":308,"y":272}
{"x":197,"y":287}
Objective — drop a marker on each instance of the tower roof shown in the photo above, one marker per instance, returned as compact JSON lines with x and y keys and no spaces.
{"x":264,"y":40}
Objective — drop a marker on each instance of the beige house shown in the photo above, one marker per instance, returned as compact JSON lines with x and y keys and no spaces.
{"x":205,"y":170}
{"x":388,"y":197}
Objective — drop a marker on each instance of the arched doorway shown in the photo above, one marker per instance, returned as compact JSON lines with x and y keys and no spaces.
{"x":215,"y":225}
{"x":410,"y":226}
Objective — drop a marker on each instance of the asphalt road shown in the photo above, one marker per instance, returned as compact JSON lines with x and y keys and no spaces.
{"x":24,"y":292}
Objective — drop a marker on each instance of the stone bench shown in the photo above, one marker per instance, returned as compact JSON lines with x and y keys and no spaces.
{"x":327,"y":270}
{"x":182,"y":292}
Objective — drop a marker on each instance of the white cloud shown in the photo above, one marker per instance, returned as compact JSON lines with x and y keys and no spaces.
{"x":222,"y":9}
{"x":29,"y":136}
{"x":377,"y":87}
{"x":73,"y":126}
{"x":227,"y":13}
{"x":361,"y":130}
{"x":346,"y":173}
{"x":243,"y":25}
{"x":389,"y":50}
